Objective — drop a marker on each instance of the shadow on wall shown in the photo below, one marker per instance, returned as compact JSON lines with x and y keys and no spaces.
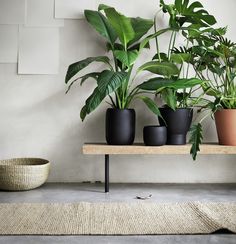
{"x":66,"y":153}
{"x":53,"y":102}
{"x":54,"y":130}
{"x":69,"y":163}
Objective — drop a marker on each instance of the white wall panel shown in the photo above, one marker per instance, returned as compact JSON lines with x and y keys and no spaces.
{"x":8,"y":43}
{"x":73,"y":9}
{"x":12,"y":11}
{"x":38,"y":50}
{"x":41,"y":13}
{"x":134,"y":8}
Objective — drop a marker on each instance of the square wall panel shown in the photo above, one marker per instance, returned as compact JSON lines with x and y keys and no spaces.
{"x":38,"y":50}
{"x":12,"y":11}
{"x":73,"y":9}
{"x":41,"y":13}
{"x":8,"y":43}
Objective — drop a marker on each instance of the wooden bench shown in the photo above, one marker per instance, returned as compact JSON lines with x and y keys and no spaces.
{"x":140,"y":149}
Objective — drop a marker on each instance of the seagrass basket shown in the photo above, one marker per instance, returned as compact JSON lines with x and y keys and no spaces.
{"x":20,"y":174}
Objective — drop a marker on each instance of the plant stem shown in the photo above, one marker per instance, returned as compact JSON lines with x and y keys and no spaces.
{"x":115,"y":61}
{"x":156,"y":40}
{"x":174,"y":40}
{"x":170,"y":44}
{"x":118,"y":100}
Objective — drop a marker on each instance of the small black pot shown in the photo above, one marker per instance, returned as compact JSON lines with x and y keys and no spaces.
{"x":178,"y":123}
{"x":120,"y":126}
{"x":154,"y":135}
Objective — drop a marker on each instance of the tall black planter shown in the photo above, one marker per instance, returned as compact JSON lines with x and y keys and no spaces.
{"x":178,"y":123}
{"x":120,"y":126}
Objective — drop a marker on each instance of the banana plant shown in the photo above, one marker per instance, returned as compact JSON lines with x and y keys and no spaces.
{"x":125,"y":39}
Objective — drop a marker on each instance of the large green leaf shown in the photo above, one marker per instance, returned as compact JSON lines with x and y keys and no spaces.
{"x":178,"y":5}
{"x":126,"y":57}
{"x":195,"y":139}
{"x":101,"y":25}
{"x":184,"y":83}
{"x":121,"y":24}
{"x":93,"y":75}
{"x":161,"y":57}
{"x":168,"y":95}
{"x":141,"y":27}
{"x":83,"y":78}
{"x":155,"y":83}
{"x":74,"y":68}
{"x":151,"y":105}
{"x":109,"y":81}
{"x":180,"y":58}
{"x":93,"y":101}
{"x":158,"y":84}
{"x":160,"y":68}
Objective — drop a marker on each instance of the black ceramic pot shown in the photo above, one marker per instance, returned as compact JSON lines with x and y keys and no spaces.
{"x":154,"y":135}
{"x":178,"y":123}
{"x":120,"y":126}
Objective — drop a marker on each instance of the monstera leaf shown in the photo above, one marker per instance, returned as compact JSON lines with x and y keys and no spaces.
{"x":194,"y":13}
{"x":195,"y":139}
{"x":182,"y":12}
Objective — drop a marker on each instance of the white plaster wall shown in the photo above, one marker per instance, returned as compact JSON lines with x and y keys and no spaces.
{"x":39,"y":120}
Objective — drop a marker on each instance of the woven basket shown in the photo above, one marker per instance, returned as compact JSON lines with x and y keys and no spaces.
{"x":20,"y":174}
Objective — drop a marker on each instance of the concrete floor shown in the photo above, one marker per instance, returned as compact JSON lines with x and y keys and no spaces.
{"x":127,"y":193}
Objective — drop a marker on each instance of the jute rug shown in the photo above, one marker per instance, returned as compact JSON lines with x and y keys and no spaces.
{"x":116,"y":218}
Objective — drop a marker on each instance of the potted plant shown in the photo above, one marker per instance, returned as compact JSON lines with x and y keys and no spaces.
{"x":173,"y":83}
{"x":216,"y":62}
{"x":124,"y":41}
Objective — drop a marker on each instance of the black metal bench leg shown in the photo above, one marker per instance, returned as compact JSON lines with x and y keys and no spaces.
{"x":107,"y":173}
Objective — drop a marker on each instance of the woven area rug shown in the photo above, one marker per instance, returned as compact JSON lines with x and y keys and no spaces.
{"x":116,"y":218}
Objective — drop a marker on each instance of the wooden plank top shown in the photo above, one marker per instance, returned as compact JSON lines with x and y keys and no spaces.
{"x":141,"y":149}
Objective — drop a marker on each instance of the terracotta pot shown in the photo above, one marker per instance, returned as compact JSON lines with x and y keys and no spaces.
{"x":226,"y":126}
